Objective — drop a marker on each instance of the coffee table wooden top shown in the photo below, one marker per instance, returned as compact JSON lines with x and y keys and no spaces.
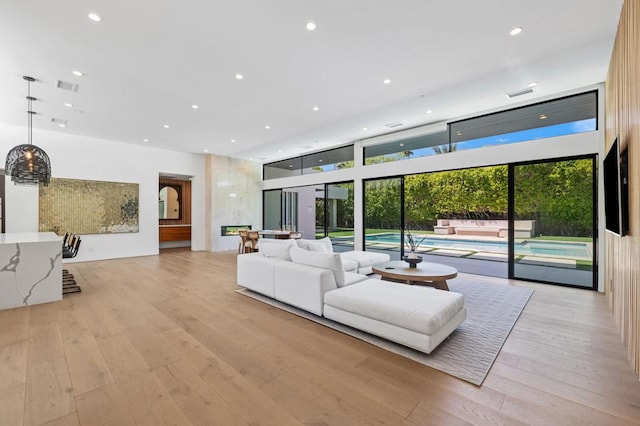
{"x":426,"y":272}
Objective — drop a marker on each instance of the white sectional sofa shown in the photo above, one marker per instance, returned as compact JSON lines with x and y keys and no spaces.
{"x":299,"y":285}
{"x":316,"y":281}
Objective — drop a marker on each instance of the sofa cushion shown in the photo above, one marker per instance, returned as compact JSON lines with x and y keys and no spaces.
{"x":352,"y":278}
{"x":332,"y":262}
{"x":349,"y":265}
{"x":276,"y":248}
{"x":418,"y":308}
{"x":365,"y":259}
{"x":322,"y":245}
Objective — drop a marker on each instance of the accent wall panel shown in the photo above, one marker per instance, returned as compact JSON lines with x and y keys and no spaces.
{"x":622,"y":110}
{"x":88,"y":207}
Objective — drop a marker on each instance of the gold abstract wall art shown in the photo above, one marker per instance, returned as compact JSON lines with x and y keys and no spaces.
{"x":88,"y":207}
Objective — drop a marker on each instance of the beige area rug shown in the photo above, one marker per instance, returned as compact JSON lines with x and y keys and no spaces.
{"x":469,"y":352}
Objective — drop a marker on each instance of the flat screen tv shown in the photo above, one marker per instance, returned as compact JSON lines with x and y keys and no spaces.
{"x":616,"y":190}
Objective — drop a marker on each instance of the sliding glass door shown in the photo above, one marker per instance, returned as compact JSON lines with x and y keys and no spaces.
{"x":553,"y":221}
{"x":383,"y":201}
{"x":460,"y":218}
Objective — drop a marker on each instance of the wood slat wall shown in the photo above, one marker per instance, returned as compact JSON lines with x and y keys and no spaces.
{"x":185,"y":202}
{"x":622,"y":111}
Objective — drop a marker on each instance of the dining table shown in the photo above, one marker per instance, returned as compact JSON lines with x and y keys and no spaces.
{"x":275,"y":233}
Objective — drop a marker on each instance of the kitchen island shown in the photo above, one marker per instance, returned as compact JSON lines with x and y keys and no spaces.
{"x":30,"y":268}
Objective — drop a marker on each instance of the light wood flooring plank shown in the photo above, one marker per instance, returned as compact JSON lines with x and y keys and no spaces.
{"x":165,"y":339}
{"x":12,"y":404}
{"x":49,"y":394}
{"x":105,"y":406}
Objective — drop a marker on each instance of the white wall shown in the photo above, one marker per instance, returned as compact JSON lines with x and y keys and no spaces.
{"x":77,"y":157}
{"x":306,"y":210}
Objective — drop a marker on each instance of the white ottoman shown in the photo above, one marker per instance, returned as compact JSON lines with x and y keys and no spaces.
{"x":415,"y":316}
{"x":365,"y":259}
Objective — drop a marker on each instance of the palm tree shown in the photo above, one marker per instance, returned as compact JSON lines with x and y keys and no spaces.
{"x":443,"y":149}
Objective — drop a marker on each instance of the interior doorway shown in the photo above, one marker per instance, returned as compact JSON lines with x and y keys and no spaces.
{"x":174,"y":211}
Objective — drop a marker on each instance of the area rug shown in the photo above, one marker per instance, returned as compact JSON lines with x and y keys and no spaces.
{"x":469,"y":352}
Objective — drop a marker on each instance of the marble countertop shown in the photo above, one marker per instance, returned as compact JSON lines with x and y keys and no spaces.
{"x":29,"y":237}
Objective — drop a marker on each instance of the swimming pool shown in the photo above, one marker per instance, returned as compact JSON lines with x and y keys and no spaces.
{"x":578,"y":250}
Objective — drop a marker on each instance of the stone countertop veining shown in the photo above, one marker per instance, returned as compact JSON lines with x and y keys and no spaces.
{"x":29,"y":237}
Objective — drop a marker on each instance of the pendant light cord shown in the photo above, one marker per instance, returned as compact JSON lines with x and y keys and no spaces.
{"x":29,"y":111}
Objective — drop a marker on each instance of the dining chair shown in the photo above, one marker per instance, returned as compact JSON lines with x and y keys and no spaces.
{"x":253,"y":237}
{"x":242,"y":248}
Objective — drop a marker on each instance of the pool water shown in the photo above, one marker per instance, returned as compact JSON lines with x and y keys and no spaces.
{"x":529,"y":247}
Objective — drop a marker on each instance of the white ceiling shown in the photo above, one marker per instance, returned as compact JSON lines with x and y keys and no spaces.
{"x":148,"y":61}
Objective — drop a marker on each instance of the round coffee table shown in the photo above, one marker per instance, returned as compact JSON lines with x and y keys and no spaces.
{"x":433,"y":274}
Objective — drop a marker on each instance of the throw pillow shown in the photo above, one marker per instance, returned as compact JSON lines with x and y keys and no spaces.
{"x":333,"y":262}
{"x":275,"y":248}
{"x":322,"y":245}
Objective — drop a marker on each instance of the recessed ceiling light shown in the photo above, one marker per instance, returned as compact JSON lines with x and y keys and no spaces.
{"x":364,"y":128}
{"x":206,"y":150}
{"x":233,"y":141}
{"x":166,"y":126}
{"x":195,"y":106}
{"x":316,"y":108}
{"x":532,"y":84}
{"x":279,"y":150}
{"x":543,"y":116}
{"x":77,"y":73}
{"x":429,"y":111}
{"x":290,"y":165}
{"x":68,"y":105}
{"x":239,"y":76}
{"x":311,"y":25}
{"x":387,"y":81}
{"x":401,"y":144}
{"x":145,"y":140}
{"x":319,"y":161}
{"x":62,"y":125}
{"x":458,"y":133}
{"x":94,"y":17}
{"x":515,"y":31}
{"x":267,"y":127}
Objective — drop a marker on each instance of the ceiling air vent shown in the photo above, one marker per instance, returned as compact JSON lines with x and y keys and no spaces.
{"x":393,"y":125}
{"x":65,"y":85}
{"x":59,"y":121}
{"x":520,"y":92}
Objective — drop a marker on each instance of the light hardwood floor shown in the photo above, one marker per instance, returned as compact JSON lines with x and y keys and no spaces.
{"x":166,"y":340}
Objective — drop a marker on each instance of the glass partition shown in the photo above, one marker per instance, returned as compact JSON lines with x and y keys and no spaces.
{"x":554,"y":222}
{"x":315,"y":211}
{"x":272,"y":211}
{"x":334,"y":159}
{"x":558,"y":117}
{"x":459,"y":218}
{"x":420,"y":146}
{"x":323,"y":161}
{"x":383,"y":216}
{"x":339,"y":215}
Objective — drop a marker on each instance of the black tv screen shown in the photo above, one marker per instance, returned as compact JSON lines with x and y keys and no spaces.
{"x":616,"y":194}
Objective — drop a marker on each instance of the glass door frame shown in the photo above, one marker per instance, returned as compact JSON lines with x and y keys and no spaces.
{"x":594,"y":218}
{"x":326,"y":204}
{"x":326,"y":194}
{"x":364,"y":210}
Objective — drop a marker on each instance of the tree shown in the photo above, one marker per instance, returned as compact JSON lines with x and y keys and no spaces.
{"x":443,"y":149}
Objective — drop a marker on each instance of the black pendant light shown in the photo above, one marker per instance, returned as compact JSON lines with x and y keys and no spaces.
{"x":27,"y":164}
